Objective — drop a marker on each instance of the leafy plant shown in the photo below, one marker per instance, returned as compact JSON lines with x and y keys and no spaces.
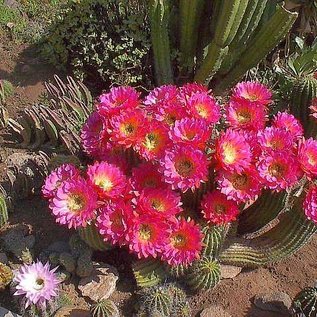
{"x":103,"y":42}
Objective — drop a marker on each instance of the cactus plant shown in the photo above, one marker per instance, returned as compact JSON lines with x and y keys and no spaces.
{"x":156,"y":299}
{"x":236,"y":43}
{"x":59,"y":123}
{"x":104,"y":308}
{"x":148,"y":272}
{"x":3,"y":211}
{"x":92,"y":237}
{"x":304,"y":303}
{"x":6,"y":276}
{"x":6,"y":90}
{"x":203,"y":274}
{"x":67,"y":261}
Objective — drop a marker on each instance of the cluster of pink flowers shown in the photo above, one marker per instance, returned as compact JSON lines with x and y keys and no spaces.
{"x":149,"y":152}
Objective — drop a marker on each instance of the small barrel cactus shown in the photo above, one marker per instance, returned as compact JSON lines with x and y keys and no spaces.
{"x":177,"y":271}
{"x":156,"y":299}
{"x":104,"y":308}
{"x":148,"y":272}
{"x":92,"y":237}
{"x":204,"y":274}
{"x":84,"y":265}
{"x":305,"y":303}
{"x":6,"y":276}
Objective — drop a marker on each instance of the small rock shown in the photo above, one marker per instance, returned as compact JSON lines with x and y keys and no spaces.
{"x":3,"y":258}
{"x":101,"y":284}
{"x":229,"y":271}
{"x":278,"y":302}
{"x":7,"y":313}
{"x":70,"y":311}
{"x":214,"y":311}
{"x":25,"y":69}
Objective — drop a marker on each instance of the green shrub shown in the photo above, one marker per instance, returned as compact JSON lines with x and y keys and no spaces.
{"x":105,"y":41}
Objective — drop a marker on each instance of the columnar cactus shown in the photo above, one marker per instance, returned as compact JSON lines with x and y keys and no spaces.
{"x":235,"y":43}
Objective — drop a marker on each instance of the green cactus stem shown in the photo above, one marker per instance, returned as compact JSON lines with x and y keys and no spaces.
{"x":303,"y":92}
{"x":228,"y":22}
{"x":156,"y":299}
{"x":290,"y":233}
{"x":159,"y":19}
{"x":265,"y":209}
{"x":203,"y":274}
{"x":190,"y":13}
{"x":6,"y":90}
{"x":92,"y":237}
{"x":262,"y":43}
{"x":305,"y":303}
{"x":213,"y":240}
{"x":148,"y":272}
{"x":104,"y":308}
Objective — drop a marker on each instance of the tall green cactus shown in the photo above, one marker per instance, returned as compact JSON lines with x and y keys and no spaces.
{"x":159,"y":16}
{"x":235,"y":43}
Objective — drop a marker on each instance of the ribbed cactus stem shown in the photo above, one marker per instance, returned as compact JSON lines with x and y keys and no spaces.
{"x":305,"y":303}
{"x":261,"y":212}
{"x":92,"y":237}
{"x":228,"y":22}
{"x":148,"y":272}
{"x":303,"y":92}
{"x":159,"y":19}
{"x":290,"y":233}
{"x":190,"y":14}
{"x":104,"y":308}
{"x":213,"y":240}
{"x":265,"y":39}
{"x":204,"y":274}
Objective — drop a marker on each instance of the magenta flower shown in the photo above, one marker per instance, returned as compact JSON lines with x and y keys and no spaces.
{"x":310,"y":204}
{"x":184,"y":167}
{"x":74,"y":203}
{"x":184,"y":243}
{"x":57,"y":177}
{"x":307,"y":156}
{"x":37,"y":283}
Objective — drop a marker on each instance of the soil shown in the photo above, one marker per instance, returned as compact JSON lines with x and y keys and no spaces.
{"x":22,"y":66}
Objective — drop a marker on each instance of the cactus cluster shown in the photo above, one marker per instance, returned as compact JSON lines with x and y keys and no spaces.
{"x":19,"y":242}
{"x":6,"y":276}
{"x":76,"y":259}
{"x":165,"y":300}
{"x":24,"y":176}
{"x":219,"y":41}
{"x":57,"y":123}
{"x":104,"y":308}
{"x":305,"y":303}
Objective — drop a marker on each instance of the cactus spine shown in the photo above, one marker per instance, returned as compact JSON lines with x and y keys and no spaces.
{"x":304,"y":303}
{"x":104,"y":308}
{"x":159,"y":17}
{"x":203,"y":274}
{"x":148,"y":272}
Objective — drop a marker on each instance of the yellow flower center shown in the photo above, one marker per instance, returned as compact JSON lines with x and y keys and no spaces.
{"x":170,"y":119}
{"x":151,"y":141}
{"x":220,"y":209}
{"x":312,"y":159}
{"x":75,"y":203}
{"x":229,"y":153}
{"x":190,"y":135}
{"x":178,"y":240}
{"x":39,"y":284}
{"x":127,"y":128}
{"x":202,"y":111}
{"x":145,"y":232}
{"x":277,"y":170}
{"x":184,"y":167}
{"x":240,"y":181}
{"x":243,"y":116}
{"x":157,"y":204}
{"x":105,"y":183}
